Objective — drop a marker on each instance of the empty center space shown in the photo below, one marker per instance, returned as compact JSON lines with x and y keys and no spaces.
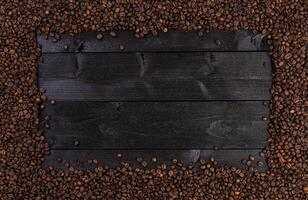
{"x":173,"y":95}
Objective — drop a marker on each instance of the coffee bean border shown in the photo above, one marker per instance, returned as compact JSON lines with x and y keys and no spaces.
{"x":23,"y":145}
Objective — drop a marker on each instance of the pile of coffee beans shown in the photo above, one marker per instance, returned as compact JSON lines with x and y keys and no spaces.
{"x":23,"y":145}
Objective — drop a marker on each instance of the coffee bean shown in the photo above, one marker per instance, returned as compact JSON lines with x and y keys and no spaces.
{"x":99,"y":36}
{"x":47,"y":125}
{"x":163,"y":166}
{"x":260,"y":163}
{"x":66,"y":47}
{"x":251,"y":157}
{"x":121,"y":47}
{"x":200,"y":33}
{"x":306,"y":189}
{"x":170,"y":173}
{"x":44,"y":98}
{"x":154,"y":33}
{"x":23,"y":174}
{"x":144,"y":163}
{"x":139,"y":159}
{"x":218,"y":42}
{"x":52,"y":102}
{"x":76,"y":143}
{"x":42,"y":90}
{"x":113,"y":34}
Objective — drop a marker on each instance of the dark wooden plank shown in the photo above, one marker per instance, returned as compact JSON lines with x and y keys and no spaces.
{"x":186,"y":157}
{"x":171,"y":41}
{"x":157,"y":76}
{"x":163,"y":125}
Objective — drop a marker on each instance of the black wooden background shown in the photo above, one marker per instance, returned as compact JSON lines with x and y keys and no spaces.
{"x":177,"y":95}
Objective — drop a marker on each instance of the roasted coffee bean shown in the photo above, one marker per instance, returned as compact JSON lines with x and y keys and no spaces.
{"x":174,"y":161}
{"x":154,"y":33}
{"x":76,"y":143}
{"x":42,"y":90}
{"x":99,"y":36}
{"x":113,"y":34}
{"x":121,"y":47}
{"x":260,"y":163}
{"x":66,"y":47}
{"x":306,"y":189}
{"x":44,"y":98}
{"x":218,"y":42}
{"x":23,"y":175}
{"x":200,"y":33}
{"x":47,"y":125}
{"x":52,"y":102}
{"x":144,"y":163}
{"x":251,"y":157}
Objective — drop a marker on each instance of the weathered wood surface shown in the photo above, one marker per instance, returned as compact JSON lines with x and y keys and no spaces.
{"x":173,"y":96}
{"x":161,"y":125}
{"x":157,"y":76}
{"x":186,"y":157}
{"x":170,"y":41}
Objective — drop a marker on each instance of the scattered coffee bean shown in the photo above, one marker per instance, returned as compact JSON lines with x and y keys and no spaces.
{"x":47,"y":125}
{"x":144,"y":163}
{"x":66,"y":47}
{"x":99,"y":36}
{"x":113,"y":34}
{"x":52,"y":102}
{"x":121,"y":47}
{"x":218,"y":42}
{"x":76,"y":143}
{"x":251,"y":157}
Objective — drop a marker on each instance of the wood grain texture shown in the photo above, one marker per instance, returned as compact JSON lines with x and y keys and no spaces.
{"x":187,"y":157}
{"x":172,"y":96}
{"x":162,"y":125}
{"x":156,"y":76}
{"x":170,"y":41}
